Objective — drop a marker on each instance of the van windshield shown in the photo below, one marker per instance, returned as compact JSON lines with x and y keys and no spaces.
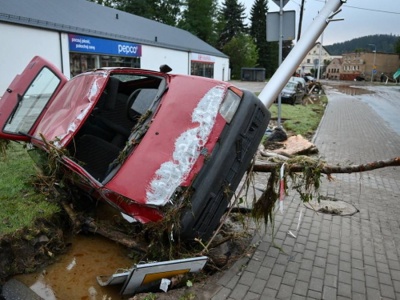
{"x":30,"y":105}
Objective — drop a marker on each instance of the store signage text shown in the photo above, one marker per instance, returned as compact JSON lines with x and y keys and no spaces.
{"x":80,"y":43}
{"x":202,"y":58}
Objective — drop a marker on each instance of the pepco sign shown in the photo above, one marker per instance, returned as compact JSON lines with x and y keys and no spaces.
{"x":128,"y":49}
{"x":88,"y":44}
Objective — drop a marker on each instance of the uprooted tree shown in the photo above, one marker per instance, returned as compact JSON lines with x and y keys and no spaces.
{"x":305,"y":174}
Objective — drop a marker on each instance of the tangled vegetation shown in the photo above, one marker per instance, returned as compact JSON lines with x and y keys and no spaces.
{"x":306,"y":183}
{"x":3,"y":148}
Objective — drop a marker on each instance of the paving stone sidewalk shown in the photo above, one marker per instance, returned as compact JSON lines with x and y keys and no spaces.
{"x":326,"y":256}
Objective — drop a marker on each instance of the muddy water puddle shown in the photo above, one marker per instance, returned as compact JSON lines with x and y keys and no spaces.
{"x":352,"y":90}
{"x":73,"y":276}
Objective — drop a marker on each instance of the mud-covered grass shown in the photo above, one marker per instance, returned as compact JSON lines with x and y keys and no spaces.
{"x":20,"y":204}
{"x":30,"y":230}
{"x":28,"y":248}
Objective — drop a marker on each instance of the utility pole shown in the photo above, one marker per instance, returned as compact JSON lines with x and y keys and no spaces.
{"x":275,"y":85}
{"x":320,"y":55}
{"x":300,"y":19}
{"x":280,"y":57}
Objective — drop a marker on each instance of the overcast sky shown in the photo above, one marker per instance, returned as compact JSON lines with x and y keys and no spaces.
{"x":361,"y":17}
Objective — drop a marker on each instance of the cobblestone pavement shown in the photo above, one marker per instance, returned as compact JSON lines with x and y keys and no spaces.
{"x":333,"y":257}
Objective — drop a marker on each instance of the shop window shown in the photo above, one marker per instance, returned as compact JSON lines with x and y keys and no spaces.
{"x":80,"y":62}
{"x":202,"y":69}
{"x":119,"y":61}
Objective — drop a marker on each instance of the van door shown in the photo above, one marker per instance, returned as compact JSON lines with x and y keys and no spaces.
{"x":27,"y":98}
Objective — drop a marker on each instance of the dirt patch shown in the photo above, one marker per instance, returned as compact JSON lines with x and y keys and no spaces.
{"x":333,"y":206}
{"x":26,"y":250}
{"x":33,"y":249}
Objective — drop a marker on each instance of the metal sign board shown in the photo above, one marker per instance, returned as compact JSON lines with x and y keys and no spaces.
{"x":89,"y":44}
{"x":278,"y":2}
{"x":289,"y":26}
{"x":142,"y":275}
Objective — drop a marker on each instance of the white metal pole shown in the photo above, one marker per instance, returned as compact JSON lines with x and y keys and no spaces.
{"x":320,"y":55}
{"x":280,"y":58}
{"x":300,"y":50}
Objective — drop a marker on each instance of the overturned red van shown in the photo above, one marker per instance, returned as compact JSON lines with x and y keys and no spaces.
{"x":141,"y":140}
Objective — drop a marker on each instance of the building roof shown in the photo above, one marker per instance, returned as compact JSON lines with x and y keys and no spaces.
{"x":323,"y":47}
{"x":88,"y":18}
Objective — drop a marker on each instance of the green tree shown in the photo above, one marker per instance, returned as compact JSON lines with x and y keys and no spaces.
{"x":268,"y":52}
{"x":233,"y":16}
{"x":287,"y":46}
{"x":397,"y":46}
{"x":242,"y":52}
{"x":109,"y":3}
{"x":138,"y":7}
{"x":272,"y":58}
{"x":164,"y":11}
{"x":200,"y":18}
{"x":258,"y":30}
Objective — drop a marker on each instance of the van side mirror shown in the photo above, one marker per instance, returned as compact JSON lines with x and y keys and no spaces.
{"x":165,"y":69}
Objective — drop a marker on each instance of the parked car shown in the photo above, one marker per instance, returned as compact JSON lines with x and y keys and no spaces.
{"x":359,"y":78}
{"x":292,"y":93}
{"x":302,"y":81}
{"x":309,"y":79}
{"x":141,"y":140}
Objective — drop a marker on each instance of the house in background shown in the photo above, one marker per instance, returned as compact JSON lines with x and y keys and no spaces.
{"x":310,"y":63}
{"x":334,"y":68}
{"x":368,"y":65}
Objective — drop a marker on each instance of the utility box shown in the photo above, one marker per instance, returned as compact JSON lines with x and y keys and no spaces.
{"x":252,"y":74}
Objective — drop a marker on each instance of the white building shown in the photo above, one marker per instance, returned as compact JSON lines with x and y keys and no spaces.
{"x":311,"y":60}
{"x":78,"y":35}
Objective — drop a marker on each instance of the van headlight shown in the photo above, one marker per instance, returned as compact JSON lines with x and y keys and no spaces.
{"x":230,"y":104}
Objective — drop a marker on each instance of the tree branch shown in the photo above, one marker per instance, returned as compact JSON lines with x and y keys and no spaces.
{"x":330,"y":169}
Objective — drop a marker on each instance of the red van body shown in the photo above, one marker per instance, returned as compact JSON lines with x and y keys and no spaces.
{"x":141,"y":140}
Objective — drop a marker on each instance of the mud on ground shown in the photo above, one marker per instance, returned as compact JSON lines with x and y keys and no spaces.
{"x":27,"y":249}
{"x":31,"y":249}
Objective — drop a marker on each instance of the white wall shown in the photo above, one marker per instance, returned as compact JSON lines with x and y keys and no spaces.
{"x":221,"y":69}
{"x":19,"y":44}
{"x":153,"y":57}
{"x":65,"y":55}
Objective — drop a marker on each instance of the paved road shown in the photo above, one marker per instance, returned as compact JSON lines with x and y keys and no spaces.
{"x":333,"y":257}
{"x":384,"y":100}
